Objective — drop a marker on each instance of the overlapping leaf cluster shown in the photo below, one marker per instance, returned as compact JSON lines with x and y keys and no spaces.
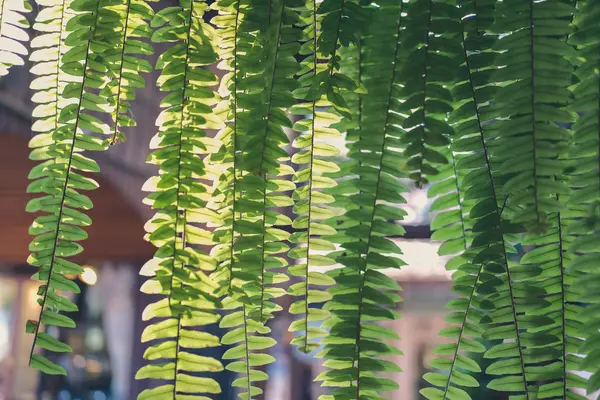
{"x":536,"y":58}
{"x":494,"y":104}
{"x":431,"y":31}
{"x":462,"y":207}
{"x":584,"y":163}
{"x":507,"y":182}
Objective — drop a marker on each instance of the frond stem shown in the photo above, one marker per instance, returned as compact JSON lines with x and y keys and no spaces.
{"x":562,"y":303}
{"x":337,"y":37}
{"x":180,"y":144}
{"x":478,"y":115}
{"x":598,"y":122}
{"x":513,"y":306}
{"x":247,"y":351}
{"x":310,"y":180}
{"x":462,"y":330}
{"x":177,"y":347}
{"x":356,"y":355}
{"x":459,"y":200}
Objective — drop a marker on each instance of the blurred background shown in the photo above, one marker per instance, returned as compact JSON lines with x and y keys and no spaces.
{"x":106,"y":346}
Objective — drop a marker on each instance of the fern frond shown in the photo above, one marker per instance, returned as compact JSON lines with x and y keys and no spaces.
{"x":312,"y":205}
{"x":586,"y":142}
{"x":584,"y":338}
{"x":458,"y":195}
{"x":13,"y":31}
{"x":180,"y":271}
{"x":246,"y":334}
{"x":583,"y":252}
{"x":252,"y":188}
{"x":263,"y":98}
{"x":453,"y":226}
{"x":534,"y":79}
{"x":363,"y":296}
{"x":248,"y":337}
{"x":431,"y":43}
{"x":223,"y":162}
{"x":124,"y":60}
{"x":534,"y":62}
{"x":557,"y":322}
{"x":68,"y":74}
{"x":500,"y":295}
{"x":341,"y":23}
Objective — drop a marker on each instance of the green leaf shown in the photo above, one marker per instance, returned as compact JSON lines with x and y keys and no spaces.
{"x":46,"y":366}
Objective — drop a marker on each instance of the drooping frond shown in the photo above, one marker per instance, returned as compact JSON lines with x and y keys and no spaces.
{"x":364,"y":296}
{"x":124,"y":60}
{"x":557,"y":321}
{"x":314,"y":161}
{"x":13,"y":26}
{"x":475,"y":97}
{"x":534,"y":79}
{"x":341,"y":22}
{"x":505,"y":297}
{"x":49,"y":80}
{"x":583,"y":339}
{"x":223,"y":162}
{"x":245,"y":335}
{"x":264,"y":95}
{"x":528,"y":140}
{"x":458,"y":195}
{"x":180,"y":269}
{"x":256,"y":178}
{"x":584,"y":178}
{"x":69,"y":71}
{"x":430,"y":43}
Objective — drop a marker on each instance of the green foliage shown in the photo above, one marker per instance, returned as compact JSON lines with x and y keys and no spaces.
{"x":466,"y":199}
{"x":124,"y":61}
{"x":69,"y":69}
{"x":363,"y":296}
{"x":312,"y":206}
{"x":585,"y":184}
{"x":290,"y":132}
{"x":180,"y":271}
{"x":12,"y":32}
